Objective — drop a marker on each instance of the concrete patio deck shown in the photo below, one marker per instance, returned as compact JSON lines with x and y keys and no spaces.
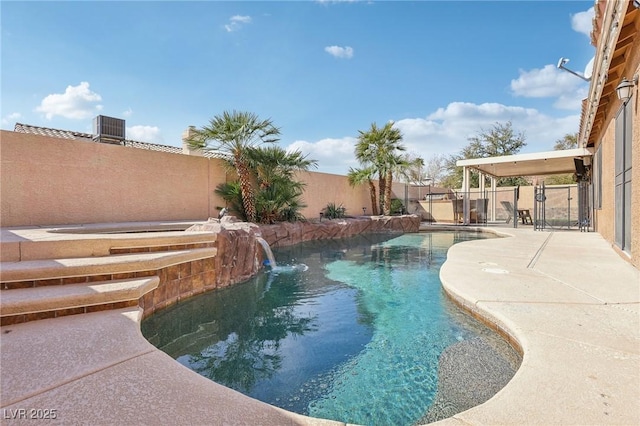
{"x":565,"y":298}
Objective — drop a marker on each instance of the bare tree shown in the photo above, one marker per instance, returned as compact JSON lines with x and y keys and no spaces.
{"x":435,"y":169}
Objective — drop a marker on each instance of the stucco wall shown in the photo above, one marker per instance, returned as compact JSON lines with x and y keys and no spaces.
{"x":324,"y":188}
{"x":54,"y":181}
{"x":605,"y":218}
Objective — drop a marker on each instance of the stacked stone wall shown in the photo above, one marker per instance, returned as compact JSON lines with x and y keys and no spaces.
{"x":239,"y":256}
{"x":286,"y":234}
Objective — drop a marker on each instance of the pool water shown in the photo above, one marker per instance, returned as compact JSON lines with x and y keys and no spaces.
{"x":356,"y":336}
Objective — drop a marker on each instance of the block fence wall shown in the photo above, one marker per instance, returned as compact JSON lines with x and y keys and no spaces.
{"x":54,"y":181}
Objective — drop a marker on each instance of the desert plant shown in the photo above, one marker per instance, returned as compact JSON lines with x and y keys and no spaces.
{"x":232,"y":134}
{"x":397,"y":207}
{"x":334,"y":211}
{"x":379,"y":148}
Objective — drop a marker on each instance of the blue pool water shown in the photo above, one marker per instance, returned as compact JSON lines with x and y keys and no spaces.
{"x":356,"y":336}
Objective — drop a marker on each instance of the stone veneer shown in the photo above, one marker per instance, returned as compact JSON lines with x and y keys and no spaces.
{"x":179,"y":282}
{"x":286,"y":234}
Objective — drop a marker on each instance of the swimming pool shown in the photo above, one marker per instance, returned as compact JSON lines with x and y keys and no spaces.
{"x":360,"y":335}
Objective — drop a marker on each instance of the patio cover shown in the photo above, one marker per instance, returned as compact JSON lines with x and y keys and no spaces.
{"x":534,"y":164}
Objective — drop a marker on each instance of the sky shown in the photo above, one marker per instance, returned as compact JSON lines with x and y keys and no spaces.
{"x":322,"y":71}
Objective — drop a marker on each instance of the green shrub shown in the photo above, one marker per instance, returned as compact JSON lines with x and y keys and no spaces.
{"x":333,"y":211}
{"x":396,"y":206}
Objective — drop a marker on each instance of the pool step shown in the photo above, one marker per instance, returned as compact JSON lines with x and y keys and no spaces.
{"x":74,"y":270}
{"x":47,"y":272}
{"x":73,"y":298}
{"x":14,"y":248}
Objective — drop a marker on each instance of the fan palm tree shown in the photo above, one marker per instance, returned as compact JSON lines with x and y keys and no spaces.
{"x":361,"y":176}
{"x":231,"y":135}
{"x":278,"y":195}
{"x":271,"y":161}
{"x":378,"y":148}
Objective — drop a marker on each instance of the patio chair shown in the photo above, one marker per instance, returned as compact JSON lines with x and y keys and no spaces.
{"x":481,"y":208}
{"x":525,"y":216}
{"x":509,"y":208}
{"x":457,"y":205}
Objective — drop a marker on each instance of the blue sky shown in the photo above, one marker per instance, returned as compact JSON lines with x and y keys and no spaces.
{"x":321,"y":70}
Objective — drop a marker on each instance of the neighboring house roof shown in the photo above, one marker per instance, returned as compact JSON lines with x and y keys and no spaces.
{"x":56,"y":133}
{"x":153,"y":147}
{"x":88,"y":137}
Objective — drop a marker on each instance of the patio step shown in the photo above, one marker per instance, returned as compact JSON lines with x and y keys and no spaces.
{"x":75,"y":298}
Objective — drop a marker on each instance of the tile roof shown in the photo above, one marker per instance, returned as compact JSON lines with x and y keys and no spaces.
{"x":153,"y":147}
{"x":56,"y":133}
{"x":88,"y":137}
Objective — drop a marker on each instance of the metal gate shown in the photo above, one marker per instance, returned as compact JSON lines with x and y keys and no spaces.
{"x":562,"y":207}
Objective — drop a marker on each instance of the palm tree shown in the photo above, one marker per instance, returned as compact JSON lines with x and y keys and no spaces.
{"x":378,"y":148}
{"x":272,"y":161}
{"x":231,"y":135}
{"x":278,"y":195}
{"x":360,"y":176}
{"x":230,"y":192}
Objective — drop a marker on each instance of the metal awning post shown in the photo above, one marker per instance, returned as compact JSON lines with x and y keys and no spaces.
{"x":516,"y":216}
{"x":465,"y":194}
{"x":494,"y":185}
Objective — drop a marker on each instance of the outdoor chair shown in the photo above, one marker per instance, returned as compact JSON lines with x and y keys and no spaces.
{"x":509,"y":208}
{"x":523,"y":214}
{"x":481,"y":207}
{"x":457,"y":205}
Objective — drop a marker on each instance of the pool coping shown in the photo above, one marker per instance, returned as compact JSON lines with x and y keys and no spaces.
{"x":580,"y":341}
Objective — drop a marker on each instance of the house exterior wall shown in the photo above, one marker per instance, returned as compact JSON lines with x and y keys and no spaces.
{"x":605,"y":140}
{"x":53,"y":181}
{"x":604,"y":218}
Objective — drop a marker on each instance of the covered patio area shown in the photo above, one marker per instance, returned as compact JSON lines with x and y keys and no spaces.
{"x":482,"y":204}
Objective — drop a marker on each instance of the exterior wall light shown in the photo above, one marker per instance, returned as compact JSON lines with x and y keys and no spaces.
{"x":624,"y":89}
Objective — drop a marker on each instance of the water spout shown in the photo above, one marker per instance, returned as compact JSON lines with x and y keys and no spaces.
{"x":267,"y":252}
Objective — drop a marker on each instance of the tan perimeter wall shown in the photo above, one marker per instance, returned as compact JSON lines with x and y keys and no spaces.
{"x":54,"y":181}
{"x":324,"y":188}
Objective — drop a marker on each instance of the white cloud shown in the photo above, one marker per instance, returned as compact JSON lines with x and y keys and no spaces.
{"x":582,"y":22}
{"x":11,"y":118}
{"x":545,"y":83}
{"x":128,"y":112}
{"x":333,"y":155}
{"x":340,"y":52}
{"x":446,"y":132}
{"x":572,"y":100}
{"x":236,"y":22}
{"x":145,"y":134}
{"x":77,"y":102}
